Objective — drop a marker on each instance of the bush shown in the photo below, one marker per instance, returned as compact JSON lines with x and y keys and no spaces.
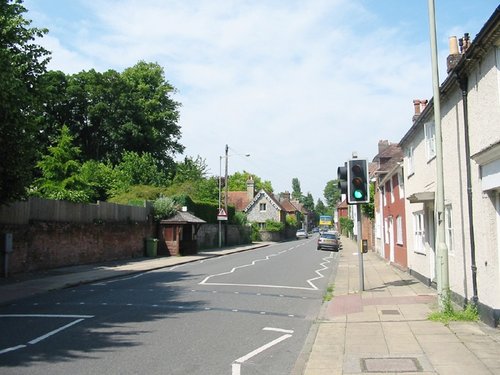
{"x":274,"y":226}
{"x":346,"y":226}
{"x":163,"y":208}
{"x":255,"y":232}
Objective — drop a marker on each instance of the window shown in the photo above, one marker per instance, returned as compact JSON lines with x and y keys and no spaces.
{"x":388,"y":188}
{"x":409,"y":160}
{"x":448,"y":224}
{"x":419,"y":232}
{"x":430,"y":139}
{"x":384,"y":200}
{"x":262,"y":226}
{"x":399,"y":230}
{"x":262,"y":207}
{"x":401,"y":184}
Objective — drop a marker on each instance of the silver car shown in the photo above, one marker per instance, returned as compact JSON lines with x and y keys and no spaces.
{"x":328,"y":240}
{"x":301,"y":233}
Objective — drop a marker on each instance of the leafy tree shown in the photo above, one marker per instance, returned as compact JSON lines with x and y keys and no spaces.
{"x":100,"y":178}
{"x":191,"y":170}
{"x":110,"y":112}
{"x":332,"y":193}
{"x":308,"y":202}
{"x":369,"y":208}
{"x":21,"y":64}
{"x":321,"y":209}
{"x":238,"y":182}
{"x":138,"y":169}
{"x":296,"y":190}
{"x":60,"y":171}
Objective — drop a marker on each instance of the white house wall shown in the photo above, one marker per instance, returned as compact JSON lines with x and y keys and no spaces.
{"x":484,"y":122}
{"x":421,"y":180}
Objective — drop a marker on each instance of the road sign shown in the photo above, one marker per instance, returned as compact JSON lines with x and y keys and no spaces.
{"x":222,"y":214}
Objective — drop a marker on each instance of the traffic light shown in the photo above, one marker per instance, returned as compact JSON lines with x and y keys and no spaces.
{"x":358,"y":188}
{"x":342,"y":177}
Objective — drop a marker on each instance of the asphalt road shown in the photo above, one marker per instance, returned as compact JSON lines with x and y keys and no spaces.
{"x":241,"y":314}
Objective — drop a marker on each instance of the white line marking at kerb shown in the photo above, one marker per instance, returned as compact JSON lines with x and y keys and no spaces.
{"x":236,"y":366}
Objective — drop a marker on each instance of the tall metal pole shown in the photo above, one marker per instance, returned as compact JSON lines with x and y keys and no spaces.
{"x":220,"y":199}
{"x":360,"y":249}
{"x":225,"y":196}
{"x":442,"y":276}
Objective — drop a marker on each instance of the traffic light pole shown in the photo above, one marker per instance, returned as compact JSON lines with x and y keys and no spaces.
{"x":360,"y":249}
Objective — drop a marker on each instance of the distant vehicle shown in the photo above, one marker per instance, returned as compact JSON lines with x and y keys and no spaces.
{"x":301,"y":233}
{"x":329,"y":241}
{"x":315,"y":230}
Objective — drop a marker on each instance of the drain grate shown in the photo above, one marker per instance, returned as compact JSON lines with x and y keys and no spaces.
{"x":402,"y":364}
{"x":389,"y":312}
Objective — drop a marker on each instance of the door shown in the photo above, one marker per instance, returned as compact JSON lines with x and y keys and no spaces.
{"x":391,"y":239}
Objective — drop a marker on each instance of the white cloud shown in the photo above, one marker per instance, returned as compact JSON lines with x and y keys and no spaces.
{"x":287,"y":81}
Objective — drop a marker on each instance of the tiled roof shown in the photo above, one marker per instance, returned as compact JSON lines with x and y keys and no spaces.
{"x":239,"y":199}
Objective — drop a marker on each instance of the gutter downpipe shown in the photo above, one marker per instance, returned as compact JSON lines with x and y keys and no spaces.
{"x":463,"y":82}
{"x":442,"y":272}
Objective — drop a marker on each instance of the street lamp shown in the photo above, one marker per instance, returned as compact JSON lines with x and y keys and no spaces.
{"x":220,"y":218}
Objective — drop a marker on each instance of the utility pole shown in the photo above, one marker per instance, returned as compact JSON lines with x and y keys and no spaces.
{"x":442,"y":276}
{"x":225,"y":195}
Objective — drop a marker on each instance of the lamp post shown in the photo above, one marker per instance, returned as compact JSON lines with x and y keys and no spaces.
{"x":442,"y":273}
{"x":226,"y":188}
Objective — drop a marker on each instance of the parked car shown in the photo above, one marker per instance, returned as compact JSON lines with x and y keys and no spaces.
{"x":301,"y":233}
{"x":329,"y":241}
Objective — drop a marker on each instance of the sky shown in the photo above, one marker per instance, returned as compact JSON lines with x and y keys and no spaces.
{"x":299,"y":85}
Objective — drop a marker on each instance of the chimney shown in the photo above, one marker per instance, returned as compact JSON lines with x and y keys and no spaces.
{"x":250,"y":188}
{"x":382,"y":145}
{"x":285,"y":196}
{"x":454,"y":56}
{"x":419,"y":105}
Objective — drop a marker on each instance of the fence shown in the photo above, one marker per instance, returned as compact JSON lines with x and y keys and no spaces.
{"x":38,"y":209}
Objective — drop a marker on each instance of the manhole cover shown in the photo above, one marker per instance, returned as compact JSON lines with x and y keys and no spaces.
{"x":390,"y":365}
{"x":389,"y":312}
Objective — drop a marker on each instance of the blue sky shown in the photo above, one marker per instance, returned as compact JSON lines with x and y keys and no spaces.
{"x":298,"y":85}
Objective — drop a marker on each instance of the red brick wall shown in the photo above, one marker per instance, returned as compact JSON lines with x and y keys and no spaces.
{"x":46,"y":245}
{"x":395,"y":209}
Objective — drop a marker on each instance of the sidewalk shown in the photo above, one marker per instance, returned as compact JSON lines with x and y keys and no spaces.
{"x":21,"y":286}
{"x":385,"y":330}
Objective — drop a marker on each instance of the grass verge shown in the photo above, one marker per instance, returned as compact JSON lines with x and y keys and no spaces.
{"x":449,"y":314}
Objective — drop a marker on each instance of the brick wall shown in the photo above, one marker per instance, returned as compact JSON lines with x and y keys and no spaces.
{"x":46,"y":245}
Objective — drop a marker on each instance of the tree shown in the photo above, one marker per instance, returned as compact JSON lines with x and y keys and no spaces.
{"x":238,"y":182}
{"x":321,"y":208}
{"x":21,"y":64}
{"x":138,"y":169}
{"x":191,"y":170}
{"x":111,"y":112}
{"x":308,"y":202}
{"x":332,"y":193}
{"x":60,"y":171}
{"x":296,"y":190}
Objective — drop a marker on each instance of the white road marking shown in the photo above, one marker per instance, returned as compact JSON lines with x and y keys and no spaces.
{"x":309,"y":281}
{"x":277,"y":330}
{"x":51,"y":333}
{"x":236,"y":366}
{"x":79,"y":318}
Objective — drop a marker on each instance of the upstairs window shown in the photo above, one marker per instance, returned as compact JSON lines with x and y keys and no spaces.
{"x":262,"y":207}
{"x":430,"y":139}
{"x":401,"y":185}
{"x":409,"y":160}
